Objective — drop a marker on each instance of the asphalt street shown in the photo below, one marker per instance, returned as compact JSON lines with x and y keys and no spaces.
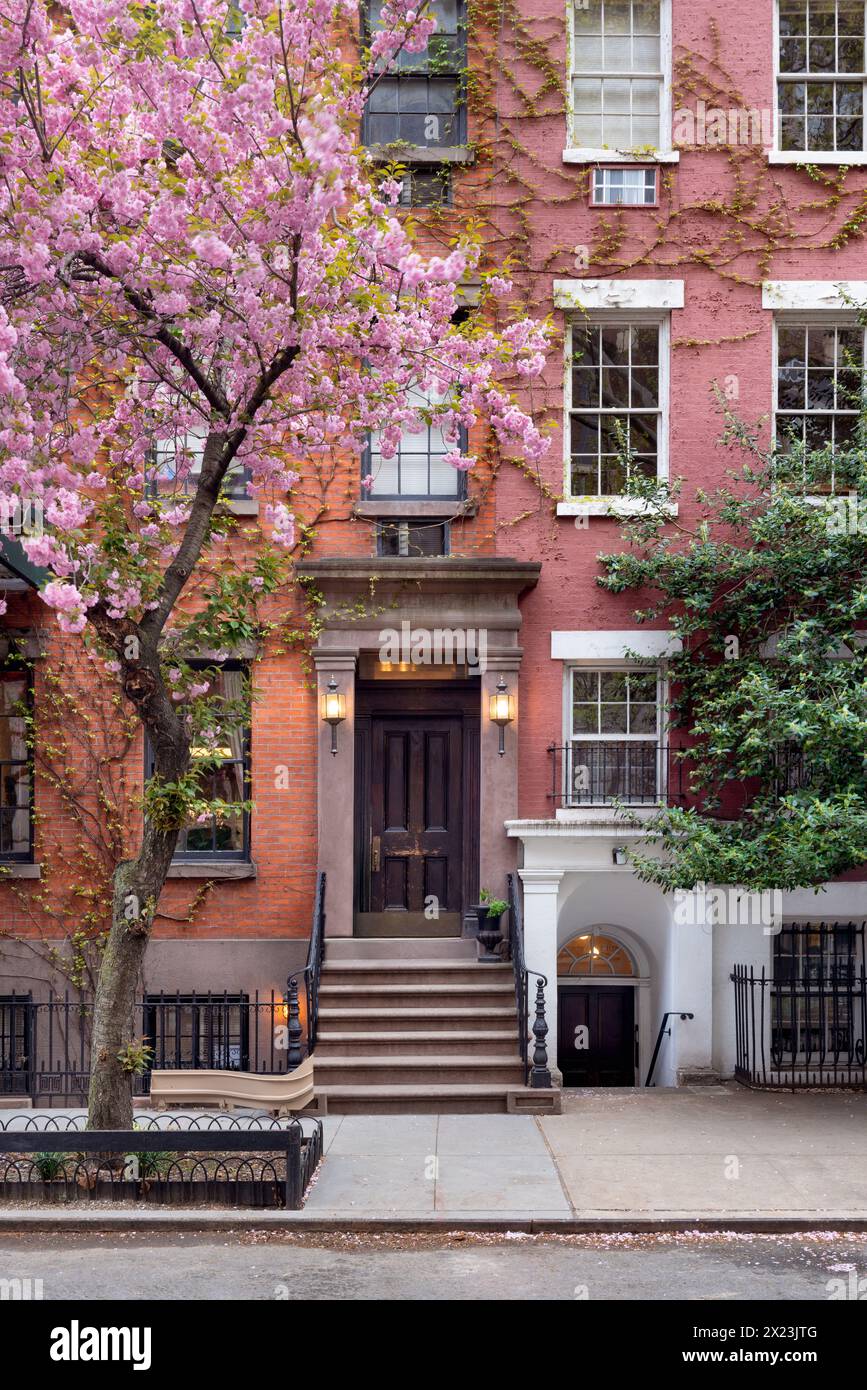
{"x":816,"y":1266}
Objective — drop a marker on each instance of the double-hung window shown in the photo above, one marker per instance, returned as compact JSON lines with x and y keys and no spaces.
{"x":419,"y":101}
{"x":616,"y":401}
{"x":16,"y":770}
{"x":179,"y":459}
{"x":614,"y":753}
{"x":225,"y":770}
{"x":619,"y":75}
{"x":419,"y":468}
{"x":821,"y":76}
{"x":819,"y":387}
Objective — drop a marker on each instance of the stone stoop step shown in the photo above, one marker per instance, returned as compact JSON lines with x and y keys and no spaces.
{"x":418,"y":1026}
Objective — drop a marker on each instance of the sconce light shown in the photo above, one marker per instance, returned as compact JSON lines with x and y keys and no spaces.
{"x":618,"y":854}
{"x":502,"y":710}
{"x":333,"y":710}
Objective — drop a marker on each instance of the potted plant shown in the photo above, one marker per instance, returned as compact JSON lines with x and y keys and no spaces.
{"x":488,"y":912}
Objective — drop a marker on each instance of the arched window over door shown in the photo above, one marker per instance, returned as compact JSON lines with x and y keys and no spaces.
{"x":594,"y":953}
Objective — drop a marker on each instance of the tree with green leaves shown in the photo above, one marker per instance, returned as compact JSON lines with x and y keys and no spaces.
{"x":768,"y":596}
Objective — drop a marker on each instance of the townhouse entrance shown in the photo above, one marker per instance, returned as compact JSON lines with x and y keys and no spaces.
{"x":597,"y":1034}
{"x":416,"y":806}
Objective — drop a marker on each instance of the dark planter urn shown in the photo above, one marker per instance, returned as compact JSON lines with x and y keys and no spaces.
{"x":488,"y":932}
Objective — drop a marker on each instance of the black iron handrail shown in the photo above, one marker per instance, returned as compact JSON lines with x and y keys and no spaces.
{"x":672,"y":1013}
{"x":538,"y":1076}
{"x":311,"y":974}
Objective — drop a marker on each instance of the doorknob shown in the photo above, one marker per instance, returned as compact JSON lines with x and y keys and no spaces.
{"x":374,"y":854}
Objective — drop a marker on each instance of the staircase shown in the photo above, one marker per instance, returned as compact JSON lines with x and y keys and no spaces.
{"x":409,"y":1026}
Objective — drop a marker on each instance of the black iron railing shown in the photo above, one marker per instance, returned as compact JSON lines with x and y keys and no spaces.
{"x":597,"y":773}
{"x":249,"y":1165}
{"x":538,"y":1075}
{"x":312,"y":971}
{"x":805,"y":1022}
{"x":45,"y":1045}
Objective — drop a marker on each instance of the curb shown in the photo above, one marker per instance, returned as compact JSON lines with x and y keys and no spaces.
{"x":78,"y":1223}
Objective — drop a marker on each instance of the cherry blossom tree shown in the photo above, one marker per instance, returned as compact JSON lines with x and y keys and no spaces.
{"x":192,"y":245}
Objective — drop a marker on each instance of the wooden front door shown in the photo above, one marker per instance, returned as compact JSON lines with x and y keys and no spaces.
{"x":596,"y":1043}
{"x":414,"y":816}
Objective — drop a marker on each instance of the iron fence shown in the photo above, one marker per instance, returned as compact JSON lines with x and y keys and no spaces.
{"x":245,"y":1165}
{"x":804,"y":1023}
{"x":45,"y":1044}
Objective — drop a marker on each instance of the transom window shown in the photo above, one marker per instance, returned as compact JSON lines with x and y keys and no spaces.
{"x":615,"y":405}
{"x":624,"y":186}
{"x":614,"y":734}
{"x":820,"y":89}
{"x":16,"y":772}
{"x":419,"y":468}
{"x":420,"y":101}
{"x":617,"y":74}
{"x":819,"y":385}
{"x":594,"y":953}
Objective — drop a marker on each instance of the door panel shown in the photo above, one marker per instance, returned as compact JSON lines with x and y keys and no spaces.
{"x":596,"y":1035}
{"x":396,"y":761}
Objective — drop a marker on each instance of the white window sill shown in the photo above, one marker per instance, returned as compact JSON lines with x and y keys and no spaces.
{"x":853,"y":158}
{"x":612,"y":506}
{"x":585,"y":155}
{"x":212,"y":868}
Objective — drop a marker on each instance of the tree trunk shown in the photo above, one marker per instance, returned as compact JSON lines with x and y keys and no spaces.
{"x":138,"y":883}
{"x":137,"y":887}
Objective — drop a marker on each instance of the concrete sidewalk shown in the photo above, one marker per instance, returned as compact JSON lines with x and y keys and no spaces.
{"x":707,"y":1153}
{"x":615,"y":1159}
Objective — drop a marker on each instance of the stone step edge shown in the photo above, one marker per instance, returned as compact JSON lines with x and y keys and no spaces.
{"x":417,"y":988}
{"x":507,"y":1035}
{"x":431,"y":1059}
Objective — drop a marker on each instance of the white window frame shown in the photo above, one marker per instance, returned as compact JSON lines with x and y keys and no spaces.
{"x":603,"y":503}
{"x":664,"y":153}
{"x":820,"y":318}
{"x":658,"y":739}
{"x":776,"y":155}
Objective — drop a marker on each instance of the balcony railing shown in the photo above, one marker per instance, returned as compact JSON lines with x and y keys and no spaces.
{"x":589,"y":772}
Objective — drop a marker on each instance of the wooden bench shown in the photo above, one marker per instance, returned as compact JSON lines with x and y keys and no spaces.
{"x":228,"y":1089}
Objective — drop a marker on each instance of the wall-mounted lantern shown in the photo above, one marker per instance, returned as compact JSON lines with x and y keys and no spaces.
{"x":502,"y":710}
{"x":618,"y":854}
{"x":333,"y":710}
